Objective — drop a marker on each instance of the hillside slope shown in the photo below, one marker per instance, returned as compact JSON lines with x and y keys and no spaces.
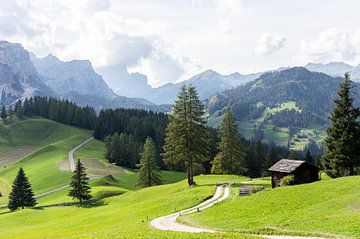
{"x":290,"y":107}
{"x":329,"y":207}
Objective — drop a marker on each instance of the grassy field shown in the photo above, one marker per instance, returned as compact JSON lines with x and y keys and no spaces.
{"x":328,"y":207}
{"x":124,"y":216}
{"x":51,"y":142}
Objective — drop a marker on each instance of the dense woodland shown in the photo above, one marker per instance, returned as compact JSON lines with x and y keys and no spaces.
{"x":124,"y":132}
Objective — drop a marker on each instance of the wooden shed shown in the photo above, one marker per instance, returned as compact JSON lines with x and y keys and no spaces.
{"x":303,"y":171}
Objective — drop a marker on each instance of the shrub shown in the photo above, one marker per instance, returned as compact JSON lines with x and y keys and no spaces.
{"x":287,"y":180}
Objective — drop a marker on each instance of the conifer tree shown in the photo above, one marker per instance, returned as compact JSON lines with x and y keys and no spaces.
{"x":272,"y":158}
{"x":19,"y":110}
{"x":309,"y":158}
{"x":21,"y":194}
{"x":3,"y":113}
{"x":149,"y":173}
{"x":231,"y":156}
{"x":187,"y":140}
{"x":342,"y":155}
{"x":80,"y":189}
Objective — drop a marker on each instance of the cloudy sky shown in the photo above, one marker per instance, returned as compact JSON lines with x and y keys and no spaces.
{"x":170,"y":40}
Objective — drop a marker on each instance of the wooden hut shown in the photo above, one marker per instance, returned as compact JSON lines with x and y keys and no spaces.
{"x":302,"y":171}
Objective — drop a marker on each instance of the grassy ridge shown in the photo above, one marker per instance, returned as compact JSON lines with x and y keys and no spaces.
{"x":124,"y":216}
{"x":330,"y":206}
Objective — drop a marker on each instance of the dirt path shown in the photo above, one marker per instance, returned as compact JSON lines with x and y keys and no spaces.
{"x":72,"y":167}
{"x":169,"y":222}
{"x":71,"y":153}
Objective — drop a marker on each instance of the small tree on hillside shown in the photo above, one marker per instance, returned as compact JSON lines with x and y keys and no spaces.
{"x":3,"y":113}
{"x":342,"y":155}
{"x":19,"y":110}
{"x":231,"y":156}
{"x":309,"y":158}
{"x":80,"y":189}
{"x":149,"y":173}
{"x":21,"y":194}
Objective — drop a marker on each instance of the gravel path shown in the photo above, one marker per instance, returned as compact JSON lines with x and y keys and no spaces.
{"x":169,"y":222}
{"x":71,"y":153}
{"x":72,"y":167}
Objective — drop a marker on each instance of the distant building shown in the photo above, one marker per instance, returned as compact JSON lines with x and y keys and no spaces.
{"x":303,"y":172}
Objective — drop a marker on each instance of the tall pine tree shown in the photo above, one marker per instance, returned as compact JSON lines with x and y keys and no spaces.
{"x":80,"y":189}
{"x":21,"y":194}
{"x":231,"y":156}
{"x":342,"y":155}
{"x":187,"y":140}
{"x":149,"y":173}
{"x":3,"y":113}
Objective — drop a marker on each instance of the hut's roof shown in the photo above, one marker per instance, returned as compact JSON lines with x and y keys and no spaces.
{"x":286,"y":166}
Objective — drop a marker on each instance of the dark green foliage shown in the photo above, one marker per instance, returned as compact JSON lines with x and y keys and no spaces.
{"x":62,"y":111}
{"x":123,"y":150}
{"x":80,"y":189}
{"x":21,"y":194}
{"x":230,"y":159}
{"x":309,"y":158}
{"x":342,"y":155}
{"x":3,"y":113}
{"x":187,"y":142}
{"x":19,"y":110}
{"x":149,"y":173}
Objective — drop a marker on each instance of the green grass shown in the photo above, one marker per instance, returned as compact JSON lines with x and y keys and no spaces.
{"x":327,"y":207}
{"x":124,"y":216}
{"x":53,"y":141}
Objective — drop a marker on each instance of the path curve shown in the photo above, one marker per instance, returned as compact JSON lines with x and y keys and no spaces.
{"x":169,"y":222}
{"x":71,"y":153}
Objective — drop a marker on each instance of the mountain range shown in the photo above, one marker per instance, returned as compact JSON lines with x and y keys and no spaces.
{"x":23,"y":75}
{"x":336,"y":69}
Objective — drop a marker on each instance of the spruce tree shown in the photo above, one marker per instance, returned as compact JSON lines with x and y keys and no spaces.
{"x":272,"y":158}
{"x":21,"y":194}
{"x":19,"y":110}
{"x":308,"y":158}
{"x":80,"y":189}
{"x":149,"y":173}
{"x":187,"y":140}
{"x":3,"y":113}
{"x":342,"y":156}
{"x":231,"y":156}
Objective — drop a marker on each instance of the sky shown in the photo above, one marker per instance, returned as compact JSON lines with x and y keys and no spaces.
{"x":172,"y":40}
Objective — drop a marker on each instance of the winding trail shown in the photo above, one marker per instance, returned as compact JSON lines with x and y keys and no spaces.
{"x":71,"y":153}
{"x":169,"y":222}
{"x":72,"y":169}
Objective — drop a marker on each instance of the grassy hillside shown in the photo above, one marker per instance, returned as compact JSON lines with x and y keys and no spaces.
{"x":321,"y":208}
{"x":124,"y":216}
{"x":50,"y":141}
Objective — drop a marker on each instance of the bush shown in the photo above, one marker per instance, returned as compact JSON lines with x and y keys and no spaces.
{"x":287,"y":180}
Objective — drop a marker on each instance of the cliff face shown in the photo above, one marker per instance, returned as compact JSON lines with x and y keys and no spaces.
{"x":18,"y":76}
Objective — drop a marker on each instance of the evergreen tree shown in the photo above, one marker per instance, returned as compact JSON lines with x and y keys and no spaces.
{"x":19,"y":110}
{"x":80,"y":189}
{"x":187,"y":140}
{"x":231,"y":156}
{"x":272,"y":158}
{"x":342,"y":155}
{"x":149,"y":173}
{"x":3,"y":113}
{"x":308,"y":158}
{"x":21,"y":194}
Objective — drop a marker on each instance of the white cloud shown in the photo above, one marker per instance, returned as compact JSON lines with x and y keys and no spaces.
{"x":269,"y":43}
{"x":331,"y":45}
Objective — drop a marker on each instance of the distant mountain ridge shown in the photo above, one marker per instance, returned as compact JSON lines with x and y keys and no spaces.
{"x":336,"y":69}
{"x":23,"y":75}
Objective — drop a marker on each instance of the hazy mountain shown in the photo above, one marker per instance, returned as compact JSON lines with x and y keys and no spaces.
{"x":280,"y":105}
{"x":208,"y":83}
{"x":18,"y":76}
{"x":76,"y":75}
{"x":336,"y":69}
